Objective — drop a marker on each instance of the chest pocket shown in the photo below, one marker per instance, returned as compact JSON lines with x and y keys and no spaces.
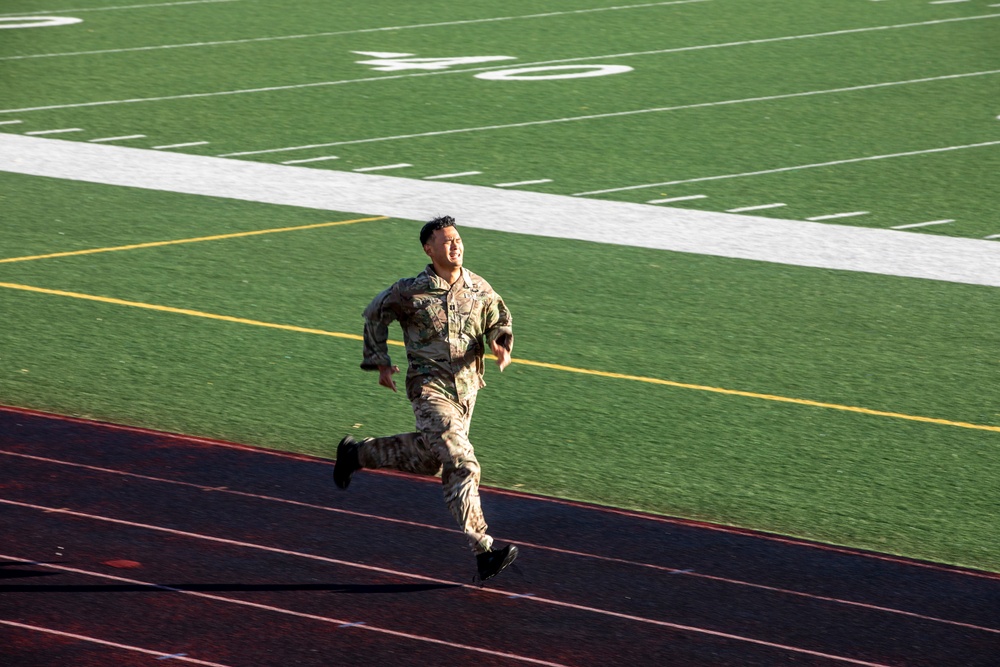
{"x":429,"y":317}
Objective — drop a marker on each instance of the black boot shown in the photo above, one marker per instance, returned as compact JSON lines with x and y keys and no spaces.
{"x":347,"y":462}
{"x":492,"y":562}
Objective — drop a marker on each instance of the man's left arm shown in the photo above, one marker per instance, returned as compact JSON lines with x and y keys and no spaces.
{"x":499,"y":330}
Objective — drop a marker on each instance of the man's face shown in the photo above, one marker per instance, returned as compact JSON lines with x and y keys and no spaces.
{"x":445,"y":248}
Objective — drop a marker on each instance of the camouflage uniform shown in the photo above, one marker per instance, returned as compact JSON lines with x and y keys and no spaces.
{"x":446,"y":329}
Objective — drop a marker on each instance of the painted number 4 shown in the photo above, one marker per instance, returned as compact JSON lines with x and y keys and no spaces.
{"x":398,"y":62}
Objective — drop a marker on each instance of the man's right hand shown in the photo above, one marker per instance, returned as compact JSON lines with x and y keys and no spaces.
{"x":385,"y":374}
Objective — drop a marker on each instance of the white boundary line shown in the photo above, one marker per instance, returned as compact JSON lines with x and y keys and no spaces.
{"x":353,"y":32}
{"x":616,"y":114}
{"x":94,"y":640}
{"x":268,"y":89}
{"x":340,"y":623}
{"x":810,"y":244}
{"x":779,"y":170}
{"x":923,"y":224}
{"x":540,"y":547}
{"x":105,"y":9}
{"x":397,"y":573}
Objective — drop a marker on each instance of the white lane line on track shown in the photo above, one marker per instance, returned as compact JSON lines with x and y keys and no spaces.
{"x":759,"y":207}
{"x":779,"y":170}
{"x":340,"y":623}
{"x":397,"y":573}
{"x":673,"y":199}
{"x":268,"y":89}
{"x":922,"y":224}
{"x":797,"y":243}
{"x":94,"y":640}
{"x":540,"y":547}
{"x":354,"y":32}
{"x":835,"y":216}
{"x":615,"y":114}
{"x":47,"y":12}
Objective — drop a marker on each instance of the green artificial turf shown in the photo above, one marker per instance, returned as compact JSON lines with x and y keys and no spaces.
{"x":917,"y":347}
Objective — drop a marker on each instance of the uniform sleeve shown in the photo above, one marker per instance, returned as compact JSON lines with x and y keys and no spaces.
{"x":383,"y":309}
{"x":499,"y":324}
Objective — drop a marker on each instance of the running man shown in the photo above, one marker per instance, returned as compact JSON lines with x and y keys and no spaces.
{"x":448,"y":315}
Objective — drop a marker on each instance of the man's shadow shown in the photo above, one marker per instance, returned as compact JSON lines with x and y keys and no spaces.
{"x":12,"y":570}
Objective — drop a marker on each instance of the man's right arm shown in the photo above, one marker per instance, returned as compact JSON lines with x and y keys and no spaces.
{"x":378,"y":315}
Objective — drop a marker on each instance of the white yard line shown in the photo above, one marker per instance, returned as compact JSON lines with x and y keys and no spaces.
{"x":615,"y":114}
{"x":122,"y":138}
{"x":267,"y":89}
{"x":517,"y":183}
{"x":62,"y":131}
{"x":417,"y":26}
{"x":779,"y":170}
{"x":48,"y":12}
{"x":455,"y":175}
{"x":673,"y":199}
{"x":923,"y":224}
{"x":835,"y":216}
{"x":11,"y":122}
{"x":383,"y":167}
{"x":312,"y":159}
{"x":184,"y":145}
{"x":842,"y":247}
{"x":759,"y":207}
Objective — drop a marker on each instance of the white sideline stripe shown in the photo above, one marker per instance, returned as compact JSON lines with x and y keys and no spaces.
{"x":127,"y":136}
{"x":10,"y":122}
{"x":812,"y":244}
{"x":312,"y":159}
{"x":540,"y":547}
{"x":488,"y":68}
{"x":353,"y":32}
{"x":103,"y":642}
{"x":516,"y":183}
{"x":385,"y":166}
{"x":834,"y":216}
{"x":670,"y":199}
{"x":946,"y":2}
{"x":455,"y":175}
{"x":105,"y":9}
{"x":397,"y":573}
{"x":779,"y":170}
{"x":614,"y":114}
{"x":992,"y":236}
{"x":759,"y":207}
{"x":922,"y":224}
{"x":340,"y":623}
{"x":38,"y":133}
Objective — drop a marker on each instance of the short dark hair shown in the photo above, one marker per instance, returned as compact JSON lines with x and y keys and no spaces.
{"x":427,"y":231}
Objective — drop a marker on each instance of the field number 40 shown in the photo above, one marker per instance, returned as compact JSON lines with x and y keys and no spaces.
{"x":398,"y":62}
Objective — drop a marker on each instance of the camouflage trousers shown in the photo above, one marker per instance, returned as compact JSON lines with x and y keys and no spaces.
{"x":439,"y":446}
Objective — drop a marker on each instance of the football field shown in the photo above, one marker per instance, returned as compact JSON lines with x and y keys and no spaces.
{"x":858,"y":407}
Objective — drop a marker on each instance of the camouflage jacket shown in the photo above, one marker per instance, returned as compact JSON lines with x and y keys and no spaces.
{"x":446,"y":330}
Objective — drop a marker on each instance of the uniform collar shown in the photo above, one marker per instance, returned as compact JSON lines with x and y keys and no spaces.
{"x":437,"y":281}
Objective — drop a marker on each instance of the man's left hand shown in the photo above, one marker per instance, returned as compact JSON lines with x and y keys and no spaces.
{"x":502,"y":354}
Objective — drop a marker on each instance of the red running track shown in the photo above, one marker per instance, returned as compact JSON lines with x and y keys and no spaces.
{"x":123,"y":546}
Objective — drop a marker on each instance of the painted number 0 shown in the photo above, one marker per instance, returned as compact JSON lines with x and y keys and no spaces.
{"x":546,"y":73}
{"x":37,"y":21}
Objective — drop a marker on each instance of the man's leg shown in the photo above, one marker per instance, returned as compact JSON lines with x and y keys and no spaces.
{"x":444,"y":423}
{"x":407,"y":452}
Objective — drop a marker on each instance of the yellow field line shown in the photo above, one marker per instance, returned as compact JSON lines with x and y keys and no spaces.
{"x":524,"y":362}
{"x":216,"y":237}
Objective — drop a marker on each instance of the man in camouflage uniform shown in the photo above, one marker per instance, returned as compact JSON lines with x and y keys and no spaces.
{"x":448,"y":315}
